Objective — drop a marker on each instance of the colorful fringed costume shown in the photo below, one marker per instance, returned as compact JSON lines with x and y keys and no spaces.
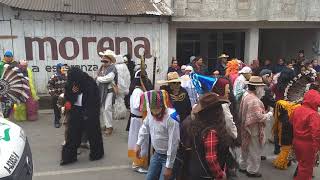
{"x":283,"y":128}
{"x":29,"y":109}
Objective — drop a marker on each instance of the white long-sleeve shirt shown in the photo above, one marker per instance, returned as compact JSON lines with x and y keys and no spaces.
{"x":239,"y":87}
{"x":109,"y":78}
{"x":230,"y":125}
{"x":165,"y":136}
{"x":135,"y":101}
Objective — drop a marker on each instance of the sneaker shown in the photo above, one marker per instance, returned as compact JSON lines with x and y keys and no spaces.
{"x":255,"y":175}
{"x":263,"y":158}
{"x":142,"y":170}
{"x":134,"y":167}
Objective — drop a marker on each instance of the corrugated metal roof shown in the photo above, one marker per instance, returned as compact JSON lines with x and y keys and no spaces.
{"x":97,"y":7}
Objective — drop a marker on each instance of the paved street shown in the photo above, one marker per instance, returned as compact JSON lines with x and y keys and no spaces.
{"x":45,"y":143}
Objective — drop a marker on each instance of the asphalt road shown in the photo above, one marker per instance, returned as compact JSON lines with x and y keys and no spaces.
{"x":46,"y":142}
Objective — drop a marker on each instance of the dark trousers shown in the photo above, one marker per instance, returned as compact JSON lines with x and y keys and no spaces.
{"x":56,"y":110}
{"x":79,"y":124}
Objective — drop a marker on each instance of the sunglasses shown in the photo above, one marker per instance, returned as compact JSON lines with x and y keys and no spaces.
{"x":106,"y":62}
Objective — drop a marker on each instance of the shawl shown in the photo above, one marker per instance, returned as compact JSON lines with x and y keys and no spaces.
{"x":252,"y":113}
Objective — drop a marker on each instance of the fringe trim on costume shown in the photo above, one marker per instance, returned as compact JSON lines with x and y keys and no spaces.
{"x":289,"y":107}
{"x":142,"y":162}
{"x":31,"y":85}
{"x":154,"y":99}
{"x":281,"y":162}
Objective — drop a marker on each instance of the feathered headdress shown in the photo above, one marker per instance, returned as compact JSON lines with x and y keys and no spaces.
{"x":154,"y":99}
{"x":295,"y":90}
{"x":232,"y":67}
{"x":13,"y":85}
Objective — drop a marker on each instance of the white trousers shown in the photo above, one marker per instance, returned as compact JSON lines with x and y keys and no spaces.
{"x":106,"y":111}
{"x":250,"y":160}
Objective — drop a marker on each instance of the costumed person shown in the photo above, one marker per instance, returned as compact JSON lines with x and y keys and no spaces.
{"x":130,"y":64}
{"x":145,"y":83}
{"x":232,"y":70}
{"x":136,"y":121}
{"x":107,"y":81}
{"x":56,"y":86}
{"x":220,"y":67}
{"x":83,"y":105}
{"x":175,"y":67}
{"x":13,"y":89}
{"x":253,"y":117}
{"x":268,"y":100}
{"x":178,"y":95}
{"x":204,"y":140}
{"x":306,"y":134}
{"x":278,"y":90}
{"x":282,"y":128}
{"x":239,"y":86}
{"x":186,"y":83}
{"x":120,"y":110}
{"x":162,"y":125}
{"x":8,"y":59}
{"x":29,"y":110}
{"x":7,"y":104}
{"x":222,"y":88}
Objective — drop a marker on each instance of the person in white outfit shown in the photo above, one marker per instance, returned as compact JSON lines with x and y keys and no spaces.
{"x":120,"y":110}
{"x":253,"y":117}
{"x":107,"y":81}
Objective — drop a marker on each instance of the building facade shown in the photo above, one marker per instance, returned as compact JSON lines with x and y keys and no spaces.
{"x":73,"y":31}
{"x":246,"y":29}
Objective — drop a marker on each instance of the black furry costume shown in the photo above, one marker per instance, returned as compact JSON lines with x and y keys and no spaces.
{"x":85,"y":118}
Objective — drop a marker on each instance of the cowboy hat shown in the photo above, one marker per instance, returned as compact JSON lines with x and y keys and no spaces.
{"x":223,"y":56}
{"x":255,"y":81}
{"x":209,"y":100}
{"x":110,"y":54}
{"x":173,"y":77}
{"x":245,"y":70}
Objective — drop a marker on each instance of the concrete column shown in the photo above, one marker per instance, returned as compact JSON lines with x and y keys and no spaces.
{"x":172,"y":42}
{"x":316,"y":46}
{"x":251,"y":45}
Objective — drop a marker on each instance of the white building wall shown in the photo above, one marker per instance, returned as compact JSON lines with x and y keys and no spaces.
{"x":58,"y":26}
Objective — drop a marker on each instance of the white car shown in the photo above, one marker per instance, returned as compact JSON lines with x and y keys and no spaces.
{"x":15,"y":154}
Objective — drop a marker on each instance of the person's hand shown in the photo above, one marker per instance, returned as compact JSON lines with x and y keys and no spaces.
{"x":75,"y":89}
{"x":138,"y":151}
{"x":167,"y":173}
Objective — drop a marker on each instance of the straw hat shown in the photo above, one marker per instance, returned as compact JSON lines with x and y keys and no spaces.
{"x":255,"y":81}
{"x":209,"y":100}
{"x":173,"y":77}
{"x":223,"y":56}
{"x":110,"y":54}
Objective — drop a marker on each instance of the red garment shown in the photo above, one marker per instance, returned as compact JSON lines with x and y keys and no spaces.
{"x":306,"y":132}
{"x":210,"y":145}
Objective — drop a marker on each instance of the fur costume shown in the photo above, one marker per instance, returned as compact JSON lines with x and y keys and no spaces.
{"x":83,"y":118}
{"x":120,"y":109}
{"x":232,"y":70}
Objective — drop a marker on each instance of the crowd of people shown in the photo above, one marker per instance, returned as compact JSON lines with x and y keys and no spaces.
{"x":198,"y":124}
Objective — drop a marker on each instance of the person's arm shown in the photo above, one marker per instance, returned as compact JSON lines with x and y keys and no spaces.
{"x":136,"y":101}
{"x":315,"y":131}
{"x":259,"y":112}
{"x":143,"y":132}
{"x":230,"y":125}
{"x":173,"y":142}
{"x":107,"y":78}
{"x":210,"y":142}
